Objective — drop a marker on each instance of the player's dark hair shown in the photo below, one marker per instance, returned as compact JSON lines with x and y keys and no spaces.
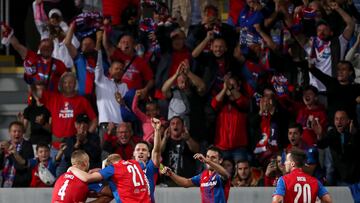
{"x":215,"y":149}
{"x":296,"y":125}
{"x":145,"y":143}
{"x":298,"y":156}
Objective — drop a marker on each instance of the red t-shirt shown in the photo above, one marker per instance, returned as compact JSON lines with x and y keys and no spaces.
{"x":137,"y":74}
{"x":64,"y":111}
{"x":37,"y":69}
{"x":68,"y":189}
{"x":126,"y":150}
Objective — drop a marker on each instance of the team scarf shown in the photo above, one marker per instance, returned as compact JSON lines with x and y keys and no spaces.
{"x":9,"y":170}
{"x":87,"y":24}
{"x":267,"y":145}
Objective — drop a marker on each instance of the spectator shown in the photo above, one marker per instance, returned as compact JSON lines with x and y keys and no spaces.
{"x":84,"y":140}
{"x":188,"y":85}
{"x":64,"y":107}
{"x":247,"y":176}
{"x":123,"y":143}
{"x":229,"y":166}
{"x":152,"y":111}
{"x":341,"y":87}
{"x":38,"y":67}
{"x":38,"y":117}
{"x":85,"y":61}
{"x":178,"y":148}
{"x":189,"y":13}
{"x":343,"y":142}
{"x":274,"y":170}
{"x":231,"y":132}
{"x":43,"y":167}
{"x":311,"y":112}
{"x":137,"y":73}
{"x":13,"y":173}
{"x":110,"y":93}
{"x":353,"y":56}
{"x":325,"y":50}
{"x":55,"y":29}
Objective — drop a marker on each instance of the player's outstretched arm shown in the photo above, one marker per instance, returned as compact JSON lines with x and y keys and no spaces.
{"x":326,"y":199}
{"x":181,"y":181}
{"x":277,"y":199}
{"x":217,"y":167}
{"x":156,"y":152}
{"x":86,"y":177}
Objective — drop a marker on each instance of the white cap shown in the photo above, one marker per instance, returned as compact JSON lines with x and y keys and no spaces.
{"x":55,"y":11}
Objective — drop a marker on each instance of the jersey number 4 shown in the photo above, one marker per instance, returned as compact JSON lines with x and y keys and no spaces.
{"x":135,"y":172}
{"x":305,"y":190}
{"x":62,"y":190}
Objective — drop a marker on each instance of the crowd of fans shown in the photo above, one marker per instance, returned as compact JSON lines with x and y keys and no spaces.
{"x":277,"y":75}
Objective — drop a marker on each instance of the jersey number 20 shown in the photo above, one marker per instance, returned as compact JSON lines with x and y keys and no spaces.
{"x":305,"y":190}
{"x":135,"y":172}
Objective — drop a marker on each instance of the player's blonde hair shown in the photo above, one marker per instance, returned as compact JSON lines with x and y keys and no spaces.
{"x":112,"y":158}
{"x":79,"y":157}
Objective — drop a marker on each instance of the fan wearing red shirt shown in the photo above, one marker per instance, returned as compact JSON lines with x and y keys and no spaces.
{"x":297,"y":186}
{"x":38,"y":67}
{"x":68,"y":187}
{"x":65,"y":107}
{"x":127,"y":181}
{"x":138,"y":74}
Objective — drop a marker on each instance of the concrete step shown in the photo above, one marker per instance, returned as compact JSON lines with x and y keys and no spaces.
{"x":11,"y":109}
{"x":13,"y":97}
{"x":12,"y":83}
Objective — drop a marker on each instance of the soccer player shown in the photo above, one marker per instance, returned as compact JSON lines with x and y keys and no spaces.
{"x":69,"y":188}
{"x":297,"y":186}
{"x":127,"y":181}
{"x":214,"y":182}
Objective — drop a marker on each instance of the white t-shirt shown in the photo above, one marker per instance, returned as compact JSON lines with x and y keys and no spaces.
{"x":323,"y":58}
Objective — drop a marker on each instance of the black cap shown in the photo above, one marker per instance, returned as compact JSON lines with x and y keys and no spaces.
{"x":82,"y":118}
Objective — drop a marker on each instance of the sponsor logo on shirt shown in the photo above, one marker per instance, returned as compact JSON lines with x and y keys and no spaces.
{"x":301,"y":179}
{"x":208,"y":184}
{"x":67,"y":111}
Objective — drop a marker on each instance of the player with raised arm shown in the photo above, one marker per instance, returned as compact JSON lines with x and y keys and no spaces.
{"x":127,"y":181}
{"x":68,"y":187}
{"x":214,"y":182}
{"x":297,"y":186}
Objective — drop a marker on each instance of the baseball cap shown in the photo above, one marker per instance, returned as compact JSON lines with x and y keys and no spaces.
{"x":55,"y":11}
{"x":177,"y":32}
{"x":82,"y":118}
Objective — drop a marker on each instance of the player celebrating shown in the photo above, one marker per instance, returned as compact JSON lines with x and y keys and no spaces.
{"x":69,"y":188}
{"x":297,"y":186}
{"x":214,"y":181}
{"x":127,"y":181}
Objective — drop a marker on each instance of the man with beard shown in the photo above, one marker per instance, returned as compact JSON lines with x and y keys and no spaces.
{"x":325,"y":50}
{"x":213,"y":181}
{"x":38,"y":67}
{"x":297,"y":185}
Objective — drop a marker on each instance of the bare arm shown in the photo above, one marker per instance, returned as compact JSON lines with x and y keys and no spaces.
{"x":197,"y":51}
{"x":169,"y":82}
{"x":156,"y":152}
{"x":326,"y":199}
{"x":86,"y":177}
{"x":220,"y":96}
{"x":268,"y":40}
{"x":350,"y":25}
{"x":109,"y":48}
{"x":217,"y":167}
{"x":67,"y":41}
{"x":164,"y":140}
{"x":277,"y":199}
{"x":93,"y":125}
{"x":181,"y":181}
{"x":21,"y":49}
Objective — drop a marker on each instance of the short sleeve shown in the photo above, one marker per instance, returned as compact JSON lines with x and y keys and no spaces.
{"x":107,"y":172}
{"x":280,"y":187}
{"x":196,"y":180}
{"x":322,"y":190}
